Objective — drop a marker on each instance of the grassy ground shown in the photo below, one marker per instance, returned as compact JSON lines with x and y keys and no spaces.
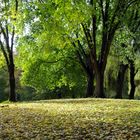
{"x":93,"y":119}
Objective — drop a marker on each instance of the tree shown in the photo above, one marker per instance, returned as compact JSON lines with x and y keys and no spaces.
{"x":120,"y":80}
{"x":85,"y":62}
{"x":8,"y":18}
{"x":122,"y":53}
{"x":130,"y":44}
{"x":92,"y":23}
{"x":49,"y":68}
{"x":39,"y":28}
{"x":134,"y":27}
{"x":106,"y":18}
{"x":88,"y":27}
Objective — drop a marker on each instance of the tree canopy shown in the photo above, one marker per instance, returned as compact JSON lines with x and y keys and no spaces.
{"x":71,"y":45}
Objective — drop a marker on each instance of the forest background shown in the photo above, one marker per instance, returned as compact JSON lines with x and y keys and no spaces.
{"x":69,"y":49}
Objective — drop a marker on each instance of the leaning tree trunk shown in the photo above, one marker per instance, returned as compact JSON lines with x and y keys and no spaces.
{"x":120,"y":81}
{"x":90,"y":87}
{"x":132,"y":81}
{"x":11,"y":70}
{"x":99,"y":87}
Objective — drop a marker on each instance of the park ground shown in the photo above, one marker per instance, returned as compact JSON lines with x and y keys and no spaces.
{"x":71,"y":119}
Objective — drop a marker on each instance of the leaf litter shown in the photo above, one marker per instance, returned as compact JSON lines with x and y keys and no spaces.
{"x":79,"y":119}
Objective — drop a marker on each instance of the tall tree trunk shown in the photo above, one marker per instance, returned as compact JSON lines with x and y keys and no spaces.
{"x":90,"y":87}
{"x":120,"y":81}
{"x":11,"y":70}
{"x":132,"y":81}
{"x":90,"y":77}
{"x":99,"y":87}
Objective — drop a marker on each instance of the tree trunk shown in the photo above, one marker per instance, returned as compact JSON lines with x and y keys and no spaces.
{"x":99,"y":87}
{"x":90,"y":77}
{"x":120,"y":81}
{"x":90,"y":87}
{"x":12,"y":94}
{"x":132,"y":81}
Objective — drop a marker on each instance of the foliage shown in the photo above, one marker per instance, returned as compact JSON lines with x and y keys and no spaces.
{"x":48,"y":68}
{"x":3,"y":84}
{"x":52,"y":34}
{"x":46,"y":61}
{"x":71,"y":119}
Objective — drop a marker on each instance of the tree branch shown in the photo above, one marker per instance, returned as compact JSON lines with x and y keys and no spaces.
{"x":6,"y":38}
{"x":86,"y":35}
{"x":4,"y":53}
{"x":81,"y":47}
{"x":80,"y":58}
{"x":12,"y":39}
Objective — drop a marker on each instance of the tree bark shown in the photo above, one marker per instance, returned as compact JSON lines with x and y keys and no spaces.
{"x":12,"y":94}
{"x":99,"y":87}
{"x":120,"y":81}
{"x":90,"y":87}
{"x":90,"y":77}
{"x":132,"y":80}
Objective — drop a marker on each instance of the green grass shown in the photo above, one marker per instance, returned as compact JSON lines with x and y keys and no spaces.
{"x":95,"y":119}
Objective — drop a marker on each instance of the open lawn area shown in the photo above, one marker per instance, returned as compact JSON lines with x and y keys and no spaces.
{"x":71,"y":119}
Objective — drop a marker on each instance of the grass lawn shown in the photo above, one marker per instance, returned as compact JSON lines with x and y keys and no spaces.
{"x":79,"y":119}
